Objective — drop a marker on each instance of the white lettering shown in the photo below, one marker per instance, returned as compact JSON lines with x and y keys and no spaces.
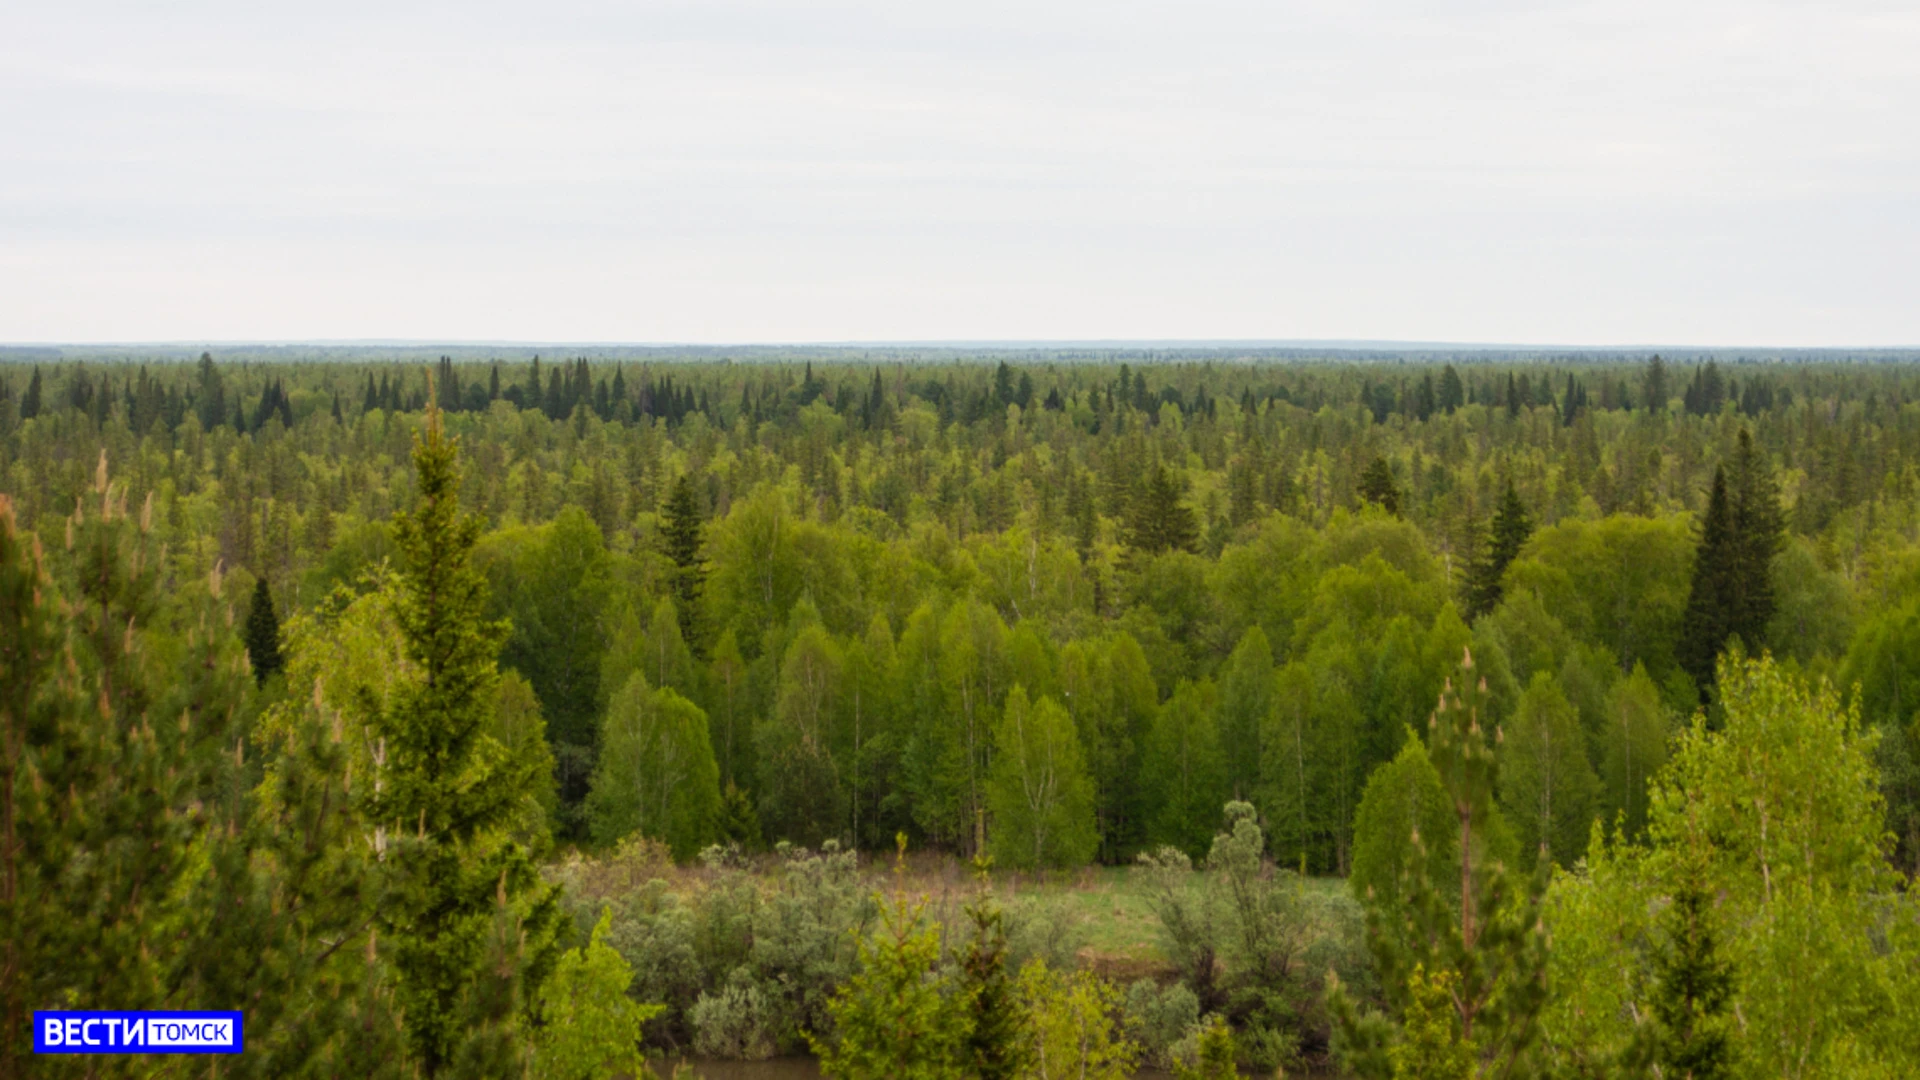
{"x":53,"y":1034}
{"x":73,"y":1033}
{"x":135,"y":1032}
{"x":85,"y":1038}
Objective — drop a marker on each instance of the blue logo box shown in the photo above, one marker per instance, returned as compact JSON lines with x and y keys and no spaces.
{"x":58,"y":1031}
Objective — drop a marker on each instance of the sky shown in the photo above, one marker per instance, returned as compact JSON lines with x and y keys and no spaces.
{"x":734,"y":171}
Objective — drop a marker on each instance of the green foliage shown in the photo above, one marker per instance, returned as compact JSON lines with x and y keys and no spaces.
{"x":897,"y":1018}
{"x":1159,"y":1017}
{"x":1377,"y":487}
{"x":1405,"y":814}
{"x":1492,"y":941}
{"x":263,"y":634}
{"x":656,"y":775}
{"x":1633,"y":748}
{"x":1547,"y":788}
{"x":1509,"y":532}
{"x":1214,"y":1055}
{"x":1182,"y":772}
{"x":447,"y":789}
{"x":995,"y":1048}
{"x":1430,"y":1047}
{"x":1070,"y":1030}
{"x":592,"y":1029}
{"x":1040,"y":797}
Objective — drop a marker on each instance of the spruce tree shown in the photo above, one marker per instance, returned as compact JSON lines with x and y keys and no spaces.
{"x":680,"y":535}
{"x":448,"y":792}
{"x":1654,"y":387}
{"x":263,"y":633}
{"x":995,"y":1047}
{"x":1159,"y":521}
{"x":30,"y":403}
{"x":1760,"y":531}
{"x":1693,"y":991}
{"x":1376,"y":486}
{"x":1713,"y":597}
{"x":1511,"y":528}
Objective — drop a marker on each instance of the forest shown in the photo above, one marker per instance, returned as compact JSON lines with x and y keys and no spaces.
{"x":1435,"y":716}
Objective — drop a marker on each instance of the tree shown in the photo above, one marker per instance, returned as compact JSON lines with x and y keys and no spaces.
{"x":900,"y":1017}
{"x":800,"y":792}
{"x":1453,"y":393}
{"x":656,"y":775}
{"x":1713,"y":597}
{"x":1431,"y":1047}
{"x":1070,"y":1033}
{"x":1246,"y":699}
{"x":1633,"y":749}
{"x":592,"y":1028}
{"x":1760,"y":529}
{"x":1159,"y":521}
{"x":553,"y":585}
{"x":1547,"y":786}
{"x":30,"y":402}
{"x":1693,"y":991}
{"x":263,"y":634}
{"x":680,"y":536}
{"x":996,"y":1044}
{"x":447,"y":788}
{"x":1654,"y":386}
{"x":1491,"y":941}
{"x":1182,"y":772}
{"x":1040,"y":796}
{"x":1404,"y":816}
{"x":1485,"y":578}
{"x":1376,"y":486}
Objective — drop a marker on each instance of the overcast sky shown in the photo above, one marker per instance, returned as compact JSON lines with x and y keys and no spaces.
{"x":717,"y":171}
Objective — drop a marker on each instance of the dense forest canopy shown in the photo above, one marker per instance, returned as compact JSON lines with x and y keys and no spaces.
{"x":1052,"y":607}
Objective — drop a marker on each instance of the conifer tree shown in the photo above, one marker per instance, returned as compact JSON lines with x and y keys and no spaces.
{"x":448,"y":790}
{"x":1489,"y":941}
{"x":680,"y":535}
{"x":1159,"y":521}
{"x":1654,"y":387}
{"x":1376,"y":486}
{"x":1713,"y":599}
{"x":1693,"y":991}
{"x":263,"y":633}
{"x":1511,"y":528}
{"x":996,"y":1047}
{"x":1760,"y":530}
{"x":30,"y":402}
{"x":1453,"y":393}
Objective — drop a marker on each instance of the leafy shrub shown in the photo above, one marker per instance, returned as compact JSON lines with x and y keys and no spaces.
{"x":739,"y":1021}
{"x":1160,"y":1017}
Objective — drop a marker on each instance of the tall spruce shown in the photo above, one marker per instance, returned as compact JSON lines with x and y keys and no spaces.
{"x":1512,"y":525}
{"x":1376,"y":486}
{"x":263,"y":633}
{"x":469,"y":919}
{"x":681,"y":534}
{"x":1732,"y":588}
{"x":1159,"y":521}
{"x":1760,"y":529}
{"x":30,"y":402}
{"x":1711,"y":597}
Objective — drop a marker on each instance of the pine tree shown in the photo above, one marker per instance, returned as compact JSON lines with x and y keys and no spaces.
{"x":1453,"y":393}
{"x":1489,"y":940}
{"x":1376,"y":486}
{"x":1511,"y":528}
{"x":1713,"y":597}
{"x":448,"y":789}
{"x":263,"y":633}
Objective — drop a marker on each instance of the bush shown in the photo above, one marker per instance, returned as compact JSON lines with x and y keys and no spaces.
{"x":738,"y":1022}
{"x":1160,"y":1017}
